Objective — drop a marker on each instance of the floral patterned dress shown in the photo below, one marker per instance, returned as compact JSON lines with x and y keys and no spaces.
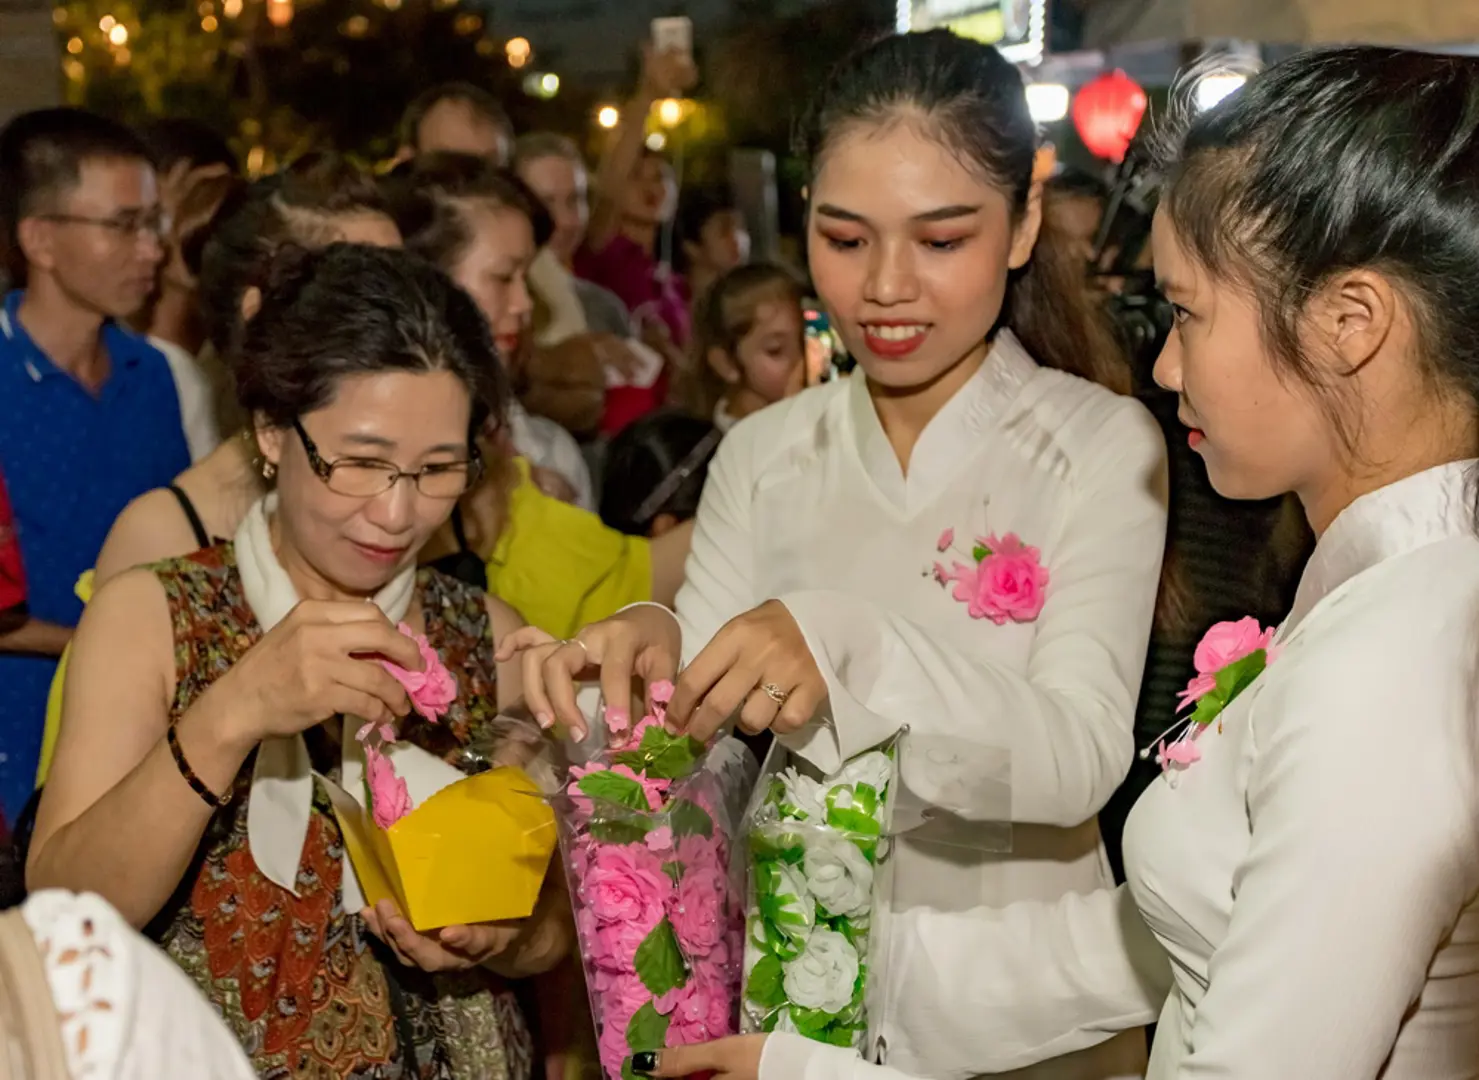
{"x":311,"y":994}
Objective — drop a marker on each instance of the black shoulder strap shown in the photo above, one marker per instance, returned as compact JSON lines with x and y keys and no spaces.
{"x":202,"y":538}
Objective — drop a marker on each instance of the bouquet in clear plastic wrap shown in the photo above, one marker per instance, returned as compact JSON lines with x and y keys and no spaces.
{"x":646,"y":828}
{"x":818,"y":883}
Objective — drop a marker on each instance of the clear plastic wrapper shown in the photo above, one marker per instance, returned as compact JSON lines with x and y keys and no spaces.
{"x":646,"y":830}
{"x":822,"y":854}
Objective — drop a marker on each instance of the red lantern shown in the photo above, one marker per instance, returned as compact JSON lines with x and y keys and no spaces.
{"x":1107,"y":113}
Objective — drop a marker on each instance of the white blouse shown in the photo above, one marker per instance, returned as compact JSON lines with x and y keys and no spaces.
{"x":1314,"y":878}
{"x":806,"y":502}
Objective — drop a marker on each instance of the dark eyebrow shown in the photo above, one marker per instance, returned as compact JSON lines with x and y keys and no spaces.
{"x":944,"y":213}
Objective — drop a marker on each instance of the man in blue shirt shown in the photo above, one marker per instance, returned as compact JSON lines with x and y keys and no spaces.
{"x":89,"y":416}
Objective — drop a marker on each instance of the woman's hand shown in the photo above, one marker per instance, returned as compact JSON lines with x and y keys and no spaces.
{"x":758,"y":665}
{"x":734,"y":1058}
{"x":452,"y":948}
{"x":642,"y":642}
{"x":321,"y":660}
{"x":666,"y":73}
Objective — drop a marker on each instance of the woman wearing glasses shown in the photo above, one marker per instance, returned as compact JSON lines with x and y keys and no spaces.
{"x":203,"y":689}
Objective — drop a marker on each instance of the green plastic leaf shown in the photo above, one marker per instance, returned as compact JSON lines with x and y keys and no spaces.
{"x":674,"y":870}
{"x":765,"y":987}
{"x":979,"y":552}
{"x":776,"y":845}
{"x":618,"y":790}
{"x":690,"y":819}
{"x":659,"y":962}
{"x":1232,"y":680}
{"x":648,"y":1029}
{"x":861,"y":817}
{"x":619,"y":830}
{"x":670,"y":757}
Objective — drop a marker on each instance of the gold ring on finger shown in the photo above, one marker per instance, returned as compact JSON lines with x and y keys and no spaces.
{"x":774,"y":692}
{"x":577,"y":641}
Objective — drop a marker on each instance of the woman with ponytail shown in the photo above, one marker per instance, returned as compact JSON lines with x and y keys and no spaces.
{"x":837,"y":590}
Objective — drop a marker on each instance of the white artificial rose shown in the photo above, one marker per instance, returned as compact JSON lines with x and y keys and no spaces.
{"x":824,"y":975}
{"x":838,"y":875}
{"x":873,"y":768}
{"x":802,"y":794}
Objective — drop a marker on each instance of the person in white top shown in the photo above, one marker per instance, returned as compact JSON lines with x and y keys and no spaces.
{"x":982,"y":409}
{"x":1309,"y":862}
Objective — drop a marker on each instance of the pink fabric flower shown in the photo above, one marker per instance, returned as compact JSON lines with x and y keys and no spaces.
{"x":389,"y":799}
{"x":697,"y":1012}
{"x":618,"y":1005}
{"x":661,"y":691}
{"x":643,"y":725}
{"x":699,"y":910}
{"x":617,"y":718}
{"x":946,"y":539}
{"x":1201,"y":684}
{"x":699,"y":853}
{"x":432,"y":689}
{"x":1010,"y":582}
{"x":660,"y":840}
{"x":1228,"y":642}
{"x":1179,"y":754}
{"x":611,"y":948}
{"x":626,"y":883}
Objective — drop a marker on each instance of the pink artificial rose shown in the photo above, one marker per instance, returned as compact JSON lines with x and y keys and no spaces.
{"x":626,"y":883}
{"x":389,"y":799}
{"x":946,"y":539}
{"x":611,"y":948}
{"x":1228,"y":642}
{"x":700,"y":853}
{"x":699,"y":911}
{"x":616,"y":1006}
{"x":432,"y":689}
{"x":1010,"y":582}
{"x":698,"y":1012}
{"x":661,"y":691}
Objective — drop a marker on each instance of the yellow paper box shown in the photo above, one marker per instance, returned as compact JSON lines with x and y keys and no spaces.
{"x":476,"y":851}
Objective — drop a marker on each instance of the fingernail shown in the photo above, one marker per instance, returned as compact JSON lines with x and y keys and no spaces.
{"x":545,"y":720}
{"x":644,"y":1062}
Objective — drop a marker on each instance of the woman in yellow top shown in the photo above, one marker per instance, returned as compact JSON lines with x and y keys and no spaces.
{"x":555,"y":564}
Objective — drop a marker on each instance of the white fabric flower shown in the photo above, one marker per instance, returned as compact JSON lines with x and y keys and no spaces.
{"x":823,"y":976}
{"x":873,"y":768}
{"x":803,"y":795}
{"x":784,"y":1022}
{"x":789,"y":886}
{"x":838,"y":875}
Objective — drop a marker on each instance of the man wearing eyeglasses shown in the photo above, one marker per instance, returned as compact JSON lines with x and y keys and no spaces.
{"x":89,"y":415}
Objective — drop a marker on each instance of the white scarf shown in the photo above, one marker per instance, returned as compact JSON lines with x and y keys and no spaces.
{"x":281,"y":801}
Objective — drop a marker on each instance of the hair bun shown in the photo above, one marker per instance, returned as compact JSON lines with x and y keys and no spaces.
{"x":291,"y":268}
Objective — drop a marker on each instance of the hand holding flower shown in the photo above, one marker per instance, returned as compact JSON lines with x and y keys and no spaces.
{"x":452,"y":948}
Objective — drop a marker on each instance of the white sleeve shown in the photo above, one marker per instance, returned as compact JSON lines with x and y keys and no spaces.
{"x":1361,"y":802}
{"x":570,"y":463}
{"x":719,"y":576}
{"x":1068,"y":720}
{"x":1095,"y":968}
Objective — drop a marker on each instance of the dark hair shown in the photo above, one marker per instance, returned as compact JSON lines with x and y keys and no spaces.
{"x":1337,"y":159}
{"x":41,"y":156}
{"x":657,"y":465}
{"x":484,"y":104}
{"x":723,"y":316}
{"x":175,"y":139}
{"x":1075,"y":183}
{"x":972,"y":100}
{"x":696,"y":208}
{"x":353,"y":309}
{"x":429,"y":198}
{"x":296,"y":205}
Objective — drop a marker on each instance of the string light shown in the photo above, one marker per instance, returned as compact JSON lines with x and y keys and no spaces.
{"x":608,"y":116}
{"x":74,"y":45}
{"x":231,"y":8}
{"x":106,"y":23}
{"x":518,"y":51}
{"x":118,"y":35}
{"x":670,"y":112}
{"x":209,"y":24}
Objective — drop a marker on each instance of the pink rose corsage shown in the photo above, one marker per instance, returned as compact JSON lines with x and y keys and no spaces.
{"x":1227,"y":660}
{"x":432,"y":691}
{"x":1004,"y":581}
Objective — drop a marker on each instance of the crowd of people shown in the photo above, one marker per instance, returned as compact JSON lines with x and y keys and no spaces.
{"x":249,"y":428}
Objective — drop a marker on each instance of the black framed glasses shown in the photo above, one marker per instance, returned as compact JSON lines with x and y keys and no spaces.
{"x":130,"y":224}
{"x":364,"y":478}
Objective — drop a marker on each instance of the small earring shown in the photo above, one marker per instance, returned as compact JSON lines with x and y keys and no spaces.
{"x":269,"y":470}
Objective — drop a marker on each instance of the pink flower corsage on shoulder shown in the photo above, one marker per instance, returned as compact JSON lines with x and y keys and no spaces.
{"x":1227,"y":660}
{"x":432,"y":691}
{"x":1005,"y":580}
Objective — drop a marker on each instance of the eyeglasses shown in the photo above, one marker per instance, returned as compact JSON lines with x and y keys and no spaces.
{"x":364,"y":478}
{"x":129,"y":223}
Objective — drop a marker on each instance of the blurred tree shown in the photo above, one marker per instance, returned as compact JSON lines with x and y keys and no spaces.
{"x":278,"y":76}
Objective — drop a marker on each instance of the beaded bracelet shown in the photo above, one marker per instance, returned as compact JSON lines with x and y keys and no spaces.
{"x":209,"y":797}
